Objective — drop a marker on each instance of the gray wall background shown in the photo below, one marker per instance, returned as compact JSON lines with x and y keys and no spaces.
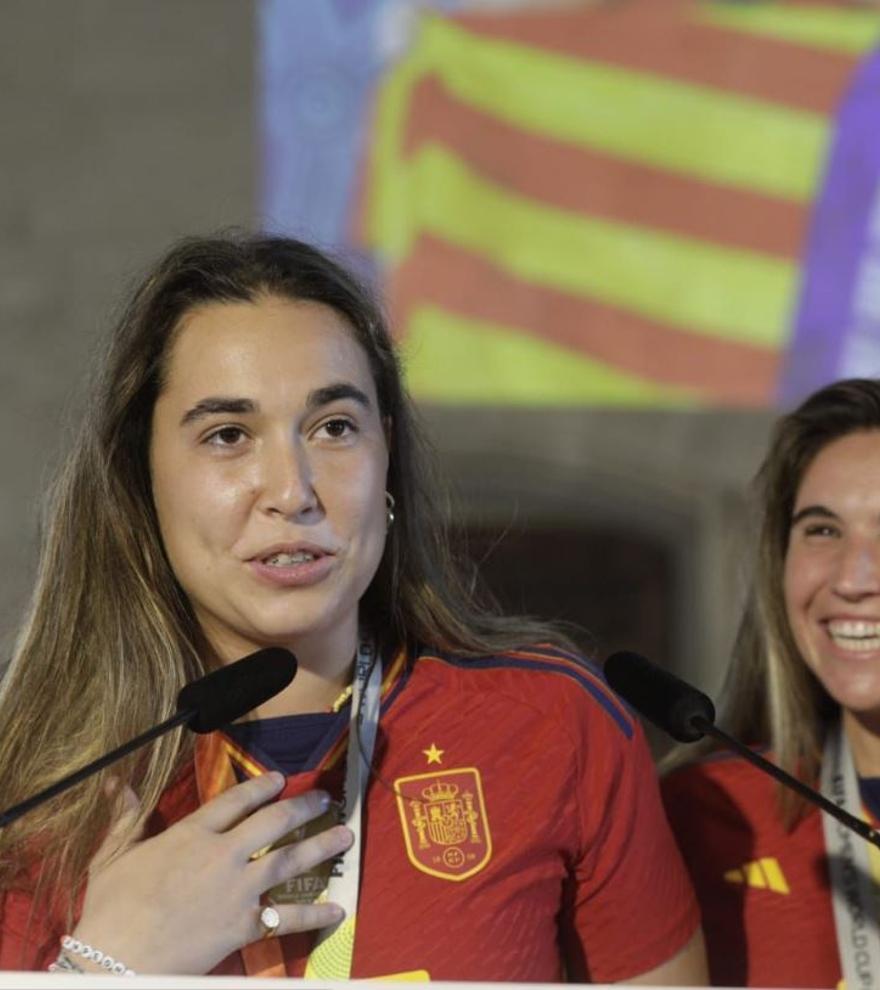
{"x":127,"y":123}
{"x":123,"y":125}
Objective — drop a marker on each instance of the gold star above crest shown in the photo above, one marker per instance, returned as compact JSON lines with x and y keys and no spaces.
{"x":434,"y":755}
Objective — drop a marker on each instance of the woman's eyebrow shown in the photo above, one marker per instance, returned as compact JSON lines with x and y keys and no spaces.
{"x":338,"y":390}
{"x":217,"y":404}
{"x":214,"y":404}
{"x":812,"y":510}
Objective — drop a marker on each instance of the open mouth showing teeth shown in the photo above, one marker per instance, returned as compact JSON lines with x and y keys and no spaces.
{"x":857,"y":636}
{"x":289,"y":559}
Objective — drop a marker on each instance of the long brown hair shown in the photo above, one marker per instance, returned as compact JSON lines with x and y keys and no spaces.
{"x":771,"y":697}
{"x":111,"y":637}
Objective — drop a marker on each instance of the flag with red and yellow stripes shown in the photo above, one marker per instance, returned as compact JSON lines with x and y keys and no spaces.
{"x":604,"y":203}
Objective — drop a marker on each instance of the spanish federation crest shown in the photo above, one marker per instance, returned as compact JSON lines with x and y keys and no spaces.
{"x":444,"y":821}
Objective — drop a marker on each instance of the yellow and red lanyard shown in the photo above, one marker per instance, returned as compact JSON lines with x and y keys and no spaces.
{"x":217,"y":756}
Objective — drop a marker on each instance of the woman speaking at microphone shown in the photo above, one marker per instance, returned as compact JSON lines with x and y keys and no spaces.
{"x":433,"y":796}
{"x":789,"y":896}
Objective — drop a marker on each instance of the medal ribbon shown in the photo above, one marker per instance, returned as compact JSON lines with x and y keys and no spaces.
{"x":854,"y":869}
{"x":333,"y":953}
{"x":331,"y":958}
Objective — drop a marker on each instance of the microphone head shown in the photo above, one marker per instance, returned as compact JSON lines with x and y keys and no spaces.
{"x":664,"y":699}
{"x":231,"y":691}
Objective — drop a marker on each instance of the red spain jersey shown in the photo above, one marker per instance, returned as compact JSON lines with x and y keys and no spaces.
{"x":513,"y":831}
{"x":764,"y":891}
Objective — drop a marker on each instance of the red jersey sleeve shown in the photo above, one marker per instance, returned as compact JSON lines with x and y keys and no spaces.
{"x":632,"y":906}
{"x":30,"y":931}
{"x":27,"y":940}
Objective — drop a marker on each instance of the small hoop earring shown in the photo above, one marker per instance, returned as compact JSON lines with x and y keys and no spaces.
{"x":389,"y":510}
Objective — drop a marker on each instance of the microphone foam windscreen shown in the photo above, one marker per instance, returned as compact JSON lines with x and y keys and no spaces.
{"x":661,"y":697}
{"x":231,"y":691}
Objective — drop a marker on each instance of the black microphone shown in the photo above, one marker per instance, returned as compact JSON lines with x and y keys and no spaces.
{"x":216,"y":699}
{"x":229,"y":692}
{"x":663,"y":698}
{"x":687,"y":715}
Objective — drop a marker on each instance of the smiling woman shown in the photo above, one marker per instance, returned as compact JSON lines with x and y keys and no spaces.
{"x":785,"y":894}
{"x":832,"y":583}
{"x":442,"y":792}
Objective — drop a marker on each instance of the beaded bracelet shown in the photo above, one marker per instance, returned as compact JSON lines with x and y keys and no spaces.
{"x":71,"y":944}
{"x":64,"y":964}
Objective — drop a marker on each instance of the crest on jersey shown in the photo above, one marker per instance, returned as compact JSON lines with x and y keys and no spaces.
{"x":444,"y":821}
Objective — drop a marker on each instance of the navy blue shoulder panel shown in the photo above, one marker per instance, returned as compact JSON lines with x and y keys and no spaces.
{"x":552,"y":660}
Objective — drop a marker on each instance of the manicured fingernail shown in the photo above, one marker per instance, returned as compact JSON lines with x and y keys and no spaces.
{"x":335,"y":912}
{"x":277,"y":779}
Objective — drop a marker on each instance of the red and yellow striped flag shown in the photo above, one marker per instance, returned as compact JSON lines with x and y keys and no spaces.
{"x":604,"y":204}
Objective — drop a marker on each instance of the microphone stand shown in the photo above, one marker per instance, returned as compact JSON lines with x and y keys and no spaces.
{"x":815,"y":797}
{"x":16,"y":811}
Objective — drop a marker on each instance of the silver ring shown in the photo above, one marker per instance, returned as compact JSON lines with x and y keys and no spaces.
{"x":270,"y":921}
